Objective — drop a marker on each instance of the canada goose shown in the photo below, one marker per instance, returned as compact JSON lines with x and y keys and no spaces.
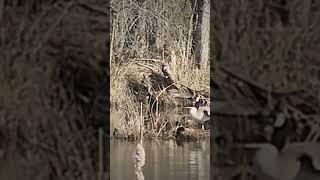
{"x":180,"y":137}
{"x":272,"y":160}
{"x":280,"y":161}
{"x":200,"y":114}
{"x":184,"y":135}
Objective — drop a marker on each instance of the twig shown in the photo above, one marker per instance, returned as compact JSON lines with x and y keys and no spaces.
{"x":163,"y":90}
{"x":256,"y":85}
{"x":162,"y":128}
{"x":155,"y":60}
{"x":145,"y":66}
{"x":47,"y":34}
{"x":102,"y":11}
{"x":141,"y":124}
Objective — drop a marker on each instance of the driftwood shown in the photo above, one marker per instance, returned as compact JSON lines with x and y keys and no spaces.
{"x":161,"y":82}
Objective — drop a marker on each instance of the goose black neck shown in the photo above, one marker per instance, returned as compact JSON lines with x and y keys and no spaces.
{"x":306,"y":163}
{"x":279,"y":139}
{"x":280,"y":134}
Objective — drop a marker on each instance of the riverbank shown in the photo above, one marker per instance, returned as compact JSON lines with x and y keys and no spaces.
{"x":156,"y":93}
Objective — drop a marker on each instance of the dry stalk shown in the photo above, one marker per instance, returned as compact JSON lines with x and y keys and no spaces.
{"x":141,"y":124}
{"x":162,"y":91}
{"x":140,"y":152}
{"x":164,"y":125}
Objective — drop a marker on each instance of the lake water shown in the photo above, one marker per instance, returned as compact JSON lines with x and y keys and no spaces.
{"x":165,"y":160}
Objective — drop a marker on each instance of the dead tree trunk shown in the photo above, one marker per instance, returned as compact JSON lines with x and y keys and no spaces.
{"x":201,"y":32}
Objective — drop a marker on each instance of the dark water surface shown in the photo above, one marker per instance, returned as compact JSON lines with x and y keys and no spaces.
{"x":164,"y":160}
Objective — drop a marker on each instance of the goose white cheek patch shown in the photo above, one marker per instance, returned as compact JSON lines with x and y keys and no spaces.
{"x":280,"y":120}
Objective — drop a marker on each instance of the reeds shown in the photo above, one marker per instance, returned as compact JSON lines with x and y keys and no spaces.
{"x":45,"y":131}
{"x":135,"y":58}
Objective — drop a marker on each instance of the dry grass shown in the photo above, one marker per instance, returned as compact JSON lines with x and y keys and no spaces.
{"x":184,"y":72}
{"x":43,"y":133}
{"x":124,"y":108}
{"x":143,"y":39}
{"x":272,"y":46}
{"x":44,"y":129}
{"x":125,"y":105}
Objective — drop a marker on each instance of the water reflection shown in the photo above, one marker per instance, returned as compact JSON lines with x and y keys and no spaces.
{"x":164,"y":160}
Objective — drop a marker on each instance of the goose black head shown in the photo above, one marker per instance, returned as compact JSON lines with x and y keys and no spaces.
{"x":199,"y":103}
{"x":180,"y":130}
{"x":305,"y":159}
{"x":275,"y":127}
{"x":307,"y":164}
{"x":195,"y":99}
{"x":180,"y":138}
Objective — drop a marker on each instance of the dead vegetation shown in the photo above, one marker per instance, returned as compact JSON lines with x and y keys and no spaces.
{"x":152,"y":62}
{"x":52,"y":98}
{"x":265,"y":59}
